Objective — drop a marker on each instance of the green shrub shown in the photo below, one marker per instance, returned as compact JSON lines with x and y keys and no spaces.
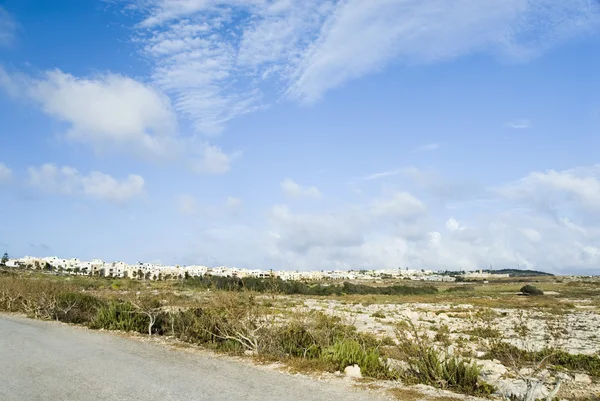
{"x":510,"y":354}
{"x":77,"y":307}
{"x":452,"y":373}
{"x":116,"y":315}
{"x":443,"y":335}
{"x":427,"y":365}
{"x":484,"y":332}
{"x":378,"y":314}
{"x":349,"y":352}
{"x":531,"y":290}
{"x":461,"y":288}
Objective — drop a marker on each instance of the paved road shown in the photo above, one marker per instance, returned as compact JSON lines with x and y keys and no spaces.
{"x":49,"y":361}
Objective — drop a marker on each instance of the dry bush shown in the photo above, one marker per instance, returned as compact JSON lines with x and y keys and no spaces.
{"x":34,"y":297}
{"x":431,"y":366}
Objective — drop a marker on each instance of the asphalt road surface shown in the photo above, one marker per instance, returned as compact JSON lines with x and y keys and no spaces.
{"x":50,"y":361}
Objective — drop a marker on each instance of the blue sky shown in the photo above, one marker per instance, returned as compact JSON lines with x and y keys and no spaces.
{"x":304,"y":135}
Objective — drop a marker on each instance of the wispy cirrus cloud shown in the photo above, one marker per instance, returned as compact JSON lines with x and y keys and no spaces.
{"x":215,"y":57}
{"x":519,"y":124}
{"x":382,"y":174}
{"x":428,"y":147}
{"x":8,"y":27}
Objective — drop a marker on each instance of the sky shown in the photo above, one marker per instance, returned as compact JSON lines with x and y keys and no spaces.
{"x":303,"y":134}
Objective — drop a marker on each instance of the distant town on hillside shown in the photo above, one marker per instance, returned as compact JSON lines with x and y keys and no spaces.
{"x":153,"y":271}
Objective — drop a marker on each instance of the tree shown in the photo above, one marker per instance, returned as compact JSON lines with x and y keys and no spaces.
{"x":4,"y":259}
{"x":149,"y":307}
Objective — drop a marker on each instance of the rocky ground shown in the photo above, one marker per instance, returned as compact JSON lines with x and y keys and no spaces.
{"x":467,"y":330}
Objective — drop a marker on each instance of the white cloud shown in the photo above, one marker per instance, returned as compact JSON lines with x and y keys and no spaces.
{"x":453,"y":225}
{"x":399,"y":230}
{"x":383,"y":174}
{"x":413,"y":31}
{"x":108,"y":109}
{"x":301,"y":232}
{"x":213,"y":160}
{"x":68,"y":181}
{"x":111,"y":111}
{"x":519,"y":124}
{"x":427,"y":147}
{"x":531,"y":234}
{"x":234,"y":205}
{"x":186,"y":204}
{"x":5,"y":173}
{"x":214,"y":56}
{"x":558,"y":190}
{"x":401,"y":205}
{"x":294,"y":190}
{"x":8,"y":26}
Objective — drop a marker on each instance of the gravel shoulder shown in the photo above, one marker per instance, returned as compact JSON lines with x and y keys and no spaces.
{"x":50,"y":361}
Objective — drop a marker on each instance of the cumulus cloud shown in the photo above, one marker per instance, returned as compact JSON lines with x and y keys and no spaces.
{"x":5,"y":173}
{"x":401,"y":205}
{"x":214,"y":56}
{"x":344,"y":227}
{"x":400,"y":230}
{"x":294,"y":190}
{"x":8,"y":26}
{"x":552,"y":190}
{"x":104,"y":110}
{"x":112,"y":111}
{"x":213,"y":160}
{"x":453,"y":225}
{"x":67,"y":180}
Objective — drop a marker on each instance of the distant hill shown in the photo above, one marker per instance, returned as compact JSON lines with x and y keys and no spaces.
{"x":519,"y":273}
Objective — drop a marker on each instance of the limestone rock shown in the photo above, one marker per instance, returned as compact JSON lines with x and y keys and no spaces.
{"x":491,"y":371}
{"x":353,"y":371}
{"x":582,"y":378}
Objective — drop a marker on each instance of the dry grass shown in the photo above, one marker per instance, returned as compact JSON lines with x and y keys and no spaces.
{"x":411,"y":394}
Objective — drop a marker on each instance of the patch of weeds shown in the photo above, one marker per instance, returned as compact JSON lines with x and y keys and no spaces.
{"x":462,"y":288}
{"x":349,"y":352}
{"x":117,"y":315}
{"x":77,"y":307}
{"x":379,"y":314}
{"x":484,"y":332}
{"x":443,"y":335}
{"x":510,"y":354}
{"x":427,"y":365}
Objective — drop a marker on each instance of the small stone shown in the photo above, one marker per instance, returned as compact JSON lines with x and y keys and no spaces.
{"x":353,"y":371}
{"x":582,"y":378}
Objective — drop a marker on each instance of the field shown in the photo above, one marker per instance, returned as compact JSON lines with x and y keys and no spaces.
{"x":410,"y":340}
